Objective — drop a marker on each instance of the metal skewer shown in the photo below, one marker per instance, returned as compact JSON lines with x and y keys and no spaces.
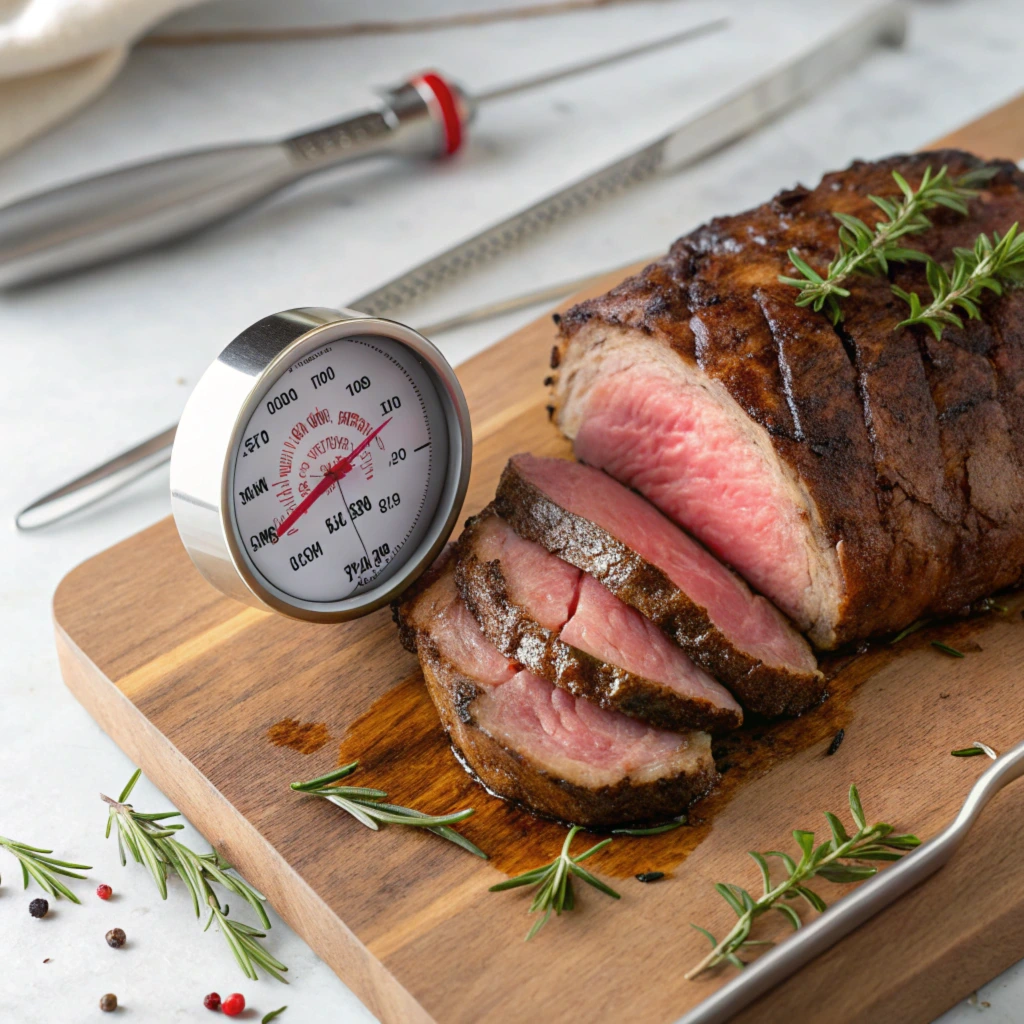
{"x":140,"y":206}
{"x":862,"y":904}
{"x":127,"y":467}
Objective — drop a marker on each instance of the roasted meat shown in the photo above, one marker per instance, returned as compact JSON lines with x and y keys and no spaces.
{"x":582,"y":515}
{"x":531,"y":742}
{"x":566,"y":627}
{"x":861,"y":476}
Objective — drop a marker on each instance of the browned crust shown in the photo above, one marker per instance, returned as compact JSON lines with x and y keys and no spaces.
{"x":765,"y":689}
{"x":524,"y":640}
{"x":511,"y":775}
{"x":900,"y":441}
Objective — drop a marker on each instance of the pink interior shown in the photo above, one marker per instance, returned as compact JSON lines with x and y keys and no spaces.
{"x":558,"y":724}
{"x":536,"y":715}
{"x":675,"y":444}
{"x":750,"y":622}
{"x":589,"y":617}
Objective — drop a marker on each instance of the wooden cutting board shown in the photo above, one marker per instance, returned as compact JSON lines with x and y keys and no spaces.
{"x":193,"y":687}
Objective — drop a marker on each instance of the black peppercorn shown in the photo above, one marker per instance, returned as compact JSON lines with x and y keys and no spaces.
{"x":650,"y":876}
{"x":39,"y":908}
{"x":108,"y":1003}
{"x":116,"y":938}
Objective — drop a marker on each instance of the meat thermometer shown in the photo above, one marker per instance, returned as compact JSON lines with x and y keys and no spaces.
{"x":320,"y":463}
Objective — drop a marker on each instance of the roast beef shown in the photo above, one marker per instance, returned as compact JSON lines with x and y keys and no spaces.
{"x":582,"y":515}
{"x":567,"y":628}
{"x":861,"y":476}
{"x":529,"y":741}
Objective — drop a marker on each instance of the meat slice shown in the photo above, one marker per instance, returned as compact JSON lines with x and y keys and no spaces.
{"x":861,"y":476}
{"x":529,"y":741}
{"x":566,"y":627}
{"x":589,"y":520}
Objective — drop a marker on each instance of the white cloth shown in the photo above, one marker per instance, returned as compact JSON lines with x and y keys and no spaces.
{"x":56,"y":55}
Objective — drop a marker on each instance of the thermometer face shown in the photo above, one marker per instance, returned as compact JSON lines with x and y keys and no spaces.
{"x":339,"y":470}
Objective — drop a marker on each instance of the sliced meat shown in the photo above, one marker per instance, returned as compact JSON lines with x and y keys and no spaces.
{"x":529,"y":741}
{"x":860,"y":476}
{"x":566,"y":627}
{"x":582,"y":515}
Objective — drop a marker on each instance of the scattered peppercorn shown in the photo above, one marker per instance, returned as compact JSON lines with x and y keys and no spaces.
{"x":39,"y":908}
{"x":104,"y":891}
{"x":212,"y":1001}
{"x":650,"y":876}
{"x":108,"y":1004}
{"x":116,"y":938}
{"x":234,"y":1004}
{"x":836,"y":743}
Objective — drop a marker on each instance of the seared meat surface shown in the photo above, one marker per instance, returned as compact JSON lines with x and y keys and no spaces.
{"x":861,"y":476}
{"x":531,"y":742}
{"x":566,"y":627}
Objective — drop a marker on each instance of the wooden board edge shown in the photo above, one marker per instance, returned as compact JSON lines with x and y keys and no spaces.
{"x":237,"y":840}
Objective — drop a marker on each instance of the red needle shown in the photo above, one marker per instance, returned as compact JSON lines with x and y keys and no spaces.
{"x":337,"y":472}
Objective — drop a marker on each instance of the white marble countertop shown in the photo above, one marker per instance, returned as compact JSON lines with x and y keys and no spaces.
{"x":100,"y":360}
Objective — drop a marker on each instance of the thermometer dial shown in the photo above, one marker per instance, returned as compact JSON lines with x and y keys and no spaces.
{"x":320,"y":463}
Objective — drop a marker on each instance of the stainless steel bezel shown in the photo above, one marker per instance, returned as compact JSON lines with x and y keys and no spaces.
{"x":211,"y":428}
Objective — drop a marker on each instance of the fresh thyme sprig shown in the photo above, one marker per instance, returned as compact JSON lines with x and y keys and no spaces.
{"x":993,"y":263}
{"x":555,"y":881}
{"x":367,"y":807}
{"x":36,"y":863}
{"x":830,"y":860}
{"x":865,"y":250}
{"x":153,"y":844}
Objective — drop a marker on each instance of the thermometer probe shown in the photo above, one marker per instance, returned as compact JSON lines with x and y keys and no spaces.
{"x":142,"y":205}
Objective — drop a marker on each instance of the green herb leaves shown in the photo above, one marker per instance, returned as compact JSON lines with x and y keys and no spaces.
{"x":368,"y":808}
{"x":865,"y":250}
{"x":153,"y":844}
{"x":555,"y":882}
{"x":36,"y":863}
{"x":835,"y":860}
{"x":992,"y":264}
{"x":976,"y":749}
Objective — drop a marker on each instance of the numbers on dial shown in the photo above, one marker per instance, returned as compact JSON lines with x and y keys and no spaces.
{"x":278,"y":402}
{"x":322,"y":377}
{"x":256,"y":441}
{"x":359,"y":393}
{"x":359,"y":507}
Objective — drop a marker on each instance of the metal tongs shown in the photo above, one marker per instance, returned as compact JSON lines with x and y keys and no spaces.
{"x":862,"y":904}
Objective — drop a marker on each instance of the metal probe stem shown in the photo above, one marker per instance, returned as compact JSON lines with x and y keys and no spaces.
{"x":500,"y":92}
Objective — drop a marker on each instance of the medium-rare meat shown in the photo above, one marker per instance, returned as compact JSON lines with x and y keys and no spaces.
{"x":566,"y":627}
{"x":528,"y":741}
{"x":861,"y":476}
{"x":594,"y":523}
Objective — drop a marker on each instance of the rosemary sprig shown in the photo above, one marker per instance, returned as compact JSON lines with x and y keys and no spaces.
{"x":368,"y":808}
{"x":555,"y":882}
{"x":656,"y":830}
{"x":865,"y":250}
{"x":830,"y":860}
{"x":38,"y":864}
{"x":946,"y":649}
{"x":993,"y":263}
{"x":152,"y":843}
{"x":976,"y":749}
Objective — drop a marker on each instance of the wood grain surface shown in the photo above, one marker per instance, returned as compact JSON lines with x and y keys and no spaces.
{"x":190,"y":685}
